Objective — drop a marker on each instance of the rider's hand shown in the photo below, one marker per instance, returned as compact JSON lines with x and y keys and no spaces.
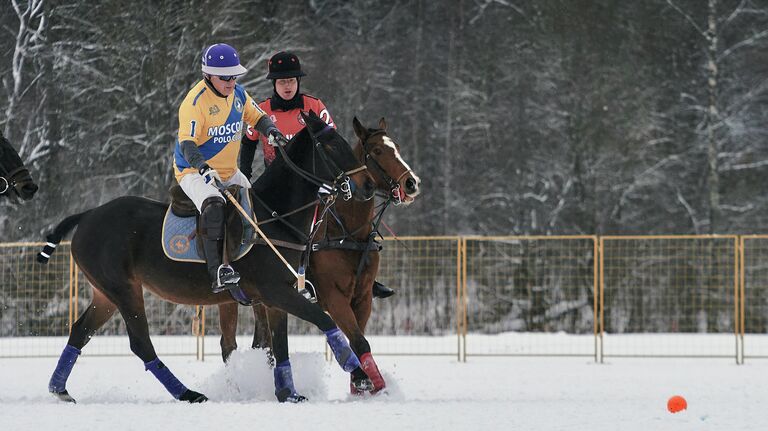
{"x":276,"y":138}
{"x":209,"y":174}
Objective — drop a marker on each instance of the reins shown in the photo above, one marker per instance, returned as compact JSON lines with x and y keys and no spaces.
{"x":341,"y":180}
{"x":261,"y":238}
{"x":8,"y":181}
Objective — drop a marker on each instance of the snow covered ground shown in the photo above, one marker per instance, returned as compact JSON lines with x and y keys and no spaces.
{"x":425,"y":393}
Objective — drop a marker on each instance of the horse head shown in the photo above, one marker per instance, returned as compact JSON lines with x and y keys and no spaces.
{"x":13,"y":175}
{"x":382,"y":155}
{"x":337,"y":163}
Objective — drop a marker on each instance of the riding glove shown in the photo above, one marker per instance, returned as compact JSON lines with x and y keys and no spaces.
{"x":276,"y":138}
{"x":209,"y":174}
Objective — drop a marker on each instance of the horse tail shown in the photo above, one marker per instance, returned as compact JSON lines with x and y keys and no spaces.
{"x":55,"y":237}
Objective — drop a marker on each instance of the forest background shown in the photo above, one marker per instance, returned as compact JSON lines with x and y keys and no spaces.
{"x":546,"y":117}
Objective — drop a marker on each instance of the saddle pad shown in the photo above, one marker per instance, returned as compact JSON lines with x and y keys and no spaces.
{"x":180,"y":241}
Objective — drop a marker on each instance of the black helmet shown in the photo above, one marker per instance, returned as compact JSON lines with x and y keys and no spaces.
{"x":284,"y":65}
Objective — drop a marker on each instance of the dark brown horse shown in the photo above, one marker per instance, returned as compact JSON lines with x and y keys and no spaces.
{"x":14,"y":177}
{"x":343,"y":284}
{"x":118,"y":248}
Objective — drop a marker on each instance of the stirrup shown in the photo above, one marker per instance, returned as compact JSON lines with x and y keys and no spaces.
{"x":226,"y":278}
{"x":308,"y":291}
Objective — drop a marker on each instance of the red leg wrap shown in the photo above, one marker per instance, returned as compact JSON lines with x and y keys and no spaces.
{"x":369,"y":366}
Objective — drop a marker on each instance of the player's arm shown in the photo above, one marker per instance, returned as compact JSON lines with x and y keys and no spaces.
{"x":260,"y":121}
{"x":325,"y":114}
{"x":191,"y":127}
{"x":248,"y":150}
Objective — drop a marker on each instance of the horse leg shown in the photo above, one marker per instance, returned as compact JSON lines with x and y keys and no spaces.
{"x":94,"y":317}
{"x":291,"y":301}
{"x":262,"y":332}
{"x":131,"y":306}
{"x":277,"y":321}
{"x":361,"y":307}
{"x":228,"y":326}
{"x":340,"y":309}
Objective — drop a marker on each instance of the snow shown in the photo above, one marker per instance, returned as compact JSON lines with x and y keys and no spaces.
{"x":425,"y":393}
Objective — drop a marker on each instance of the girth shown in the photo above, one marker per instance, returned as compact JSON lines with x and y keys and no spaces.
{"x":346,"y":244}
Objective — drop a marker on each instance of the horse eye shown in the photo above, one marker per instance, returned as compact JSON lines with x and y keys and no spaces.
{"x":377,"y":151}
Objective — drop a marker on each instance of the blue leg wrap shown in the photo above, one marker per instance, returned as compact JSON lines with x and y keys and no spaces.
{"x":60,"y":375}
{"x":166,"y":377}
{"x":284,"y":377}
{"x":341,"y":350}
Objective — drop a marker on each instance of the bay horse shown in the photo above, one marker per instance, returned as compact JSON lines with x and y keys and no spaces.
{"x":14,"y":176}
{"x":344,"y":263}
{"x":118,"y":248}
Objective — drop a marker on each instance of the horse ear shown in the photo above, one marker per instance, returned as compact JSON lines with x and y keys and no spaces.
{"x":382,"y":124}
{"x":311,"y":119}
{"x":360,"y":130}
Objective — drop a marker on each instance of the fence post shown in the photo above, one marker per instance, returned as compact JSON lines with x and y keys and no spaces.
{"x":464,"y":295}
{"x":595,"y":293}
{"x":601,"y":288}
{"x":739,"y":300}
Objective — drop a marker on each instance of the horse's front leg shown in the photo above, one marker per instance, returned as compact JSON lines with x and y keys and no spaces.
{"x":291,"y":301}
{"x":340,"y":309}
{"x":131,"y":306}
{"x":262,"y":332}
{"x":228,"y":326}
{"x":361,"y":305}
{"x":284,"y":388}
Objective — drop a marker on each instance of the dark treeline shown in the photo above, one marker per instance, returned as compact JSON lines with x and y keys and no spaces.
{"x":546,"y":117}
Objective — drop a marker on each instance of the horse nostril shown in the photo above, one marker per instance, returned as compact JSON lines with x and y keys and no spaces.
{"x":410,"y":185}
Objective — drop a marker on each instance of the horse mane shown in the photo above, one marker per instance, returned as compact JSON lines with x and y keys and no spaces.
{"x":279,"y":166}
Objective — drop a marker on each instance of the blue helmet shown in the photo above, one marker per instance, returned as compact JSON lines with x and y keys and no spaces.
{"x":221,"y":59}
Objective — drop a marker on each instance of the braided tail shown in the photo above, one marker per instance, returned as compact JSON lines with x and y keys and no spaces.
{"x":55,"y":237}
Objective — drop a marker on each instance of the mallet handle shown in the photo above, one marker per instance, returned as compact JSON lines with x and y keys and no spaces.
{"x":255,"y":226}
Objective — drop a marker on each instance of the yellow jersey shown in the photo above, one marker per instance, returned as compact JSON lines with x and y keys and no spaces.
{"x":215,"y":124}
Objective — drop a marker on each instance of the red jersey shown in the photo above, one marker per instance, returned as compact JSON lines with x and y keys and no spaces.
{"x":288,"y":122}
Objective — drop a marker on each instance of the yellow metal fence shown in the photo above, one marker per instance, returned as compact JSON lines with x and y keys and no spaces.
{"x":599,"y":297}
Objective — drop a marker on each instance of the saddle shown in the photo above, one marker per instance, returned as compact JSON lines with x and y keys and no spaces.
{"x":181,"y":230}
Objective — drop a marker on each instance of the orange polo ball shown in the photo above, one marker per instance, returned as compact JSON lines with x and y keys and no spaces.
{"x":676,"y":404}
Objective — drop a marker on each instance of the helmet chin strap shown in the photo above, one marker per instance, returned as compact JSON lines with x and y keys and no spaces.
{"x":207,"y":79}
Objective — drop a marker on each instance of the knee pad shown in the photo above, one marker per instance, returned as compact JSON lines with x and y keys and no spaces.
{"x":212,"y":219}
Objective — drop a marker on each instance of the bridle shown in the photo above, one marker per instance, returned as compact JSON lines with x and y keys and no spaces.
{"x":9,"y":179}
{"x":341,"y":182}
{"x":393,"y":184}
{"x":341,"y":185}
{"x":347,"y":240}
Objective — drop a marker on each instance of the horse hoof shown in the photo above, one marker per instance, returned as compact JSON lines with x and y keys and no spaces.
{"x":64,"y":396}
{"x":360,"y":386}
{"x":285,"y":396}
{"x":193,"y":397}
